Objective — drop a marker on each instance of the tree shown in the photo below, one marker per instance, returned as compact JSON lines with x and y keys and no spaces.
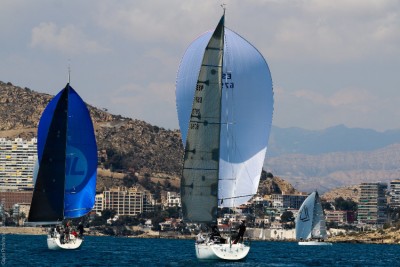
{"x":342,"y":204}
{"x":326,"y":205}
{"x":107,"y":214}
{"x":130,"y":180}
{"x":287,"y":216}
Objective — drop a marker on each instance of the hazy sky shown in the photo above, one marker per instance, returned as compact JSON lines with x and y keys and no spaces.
{"x":332,"y":62}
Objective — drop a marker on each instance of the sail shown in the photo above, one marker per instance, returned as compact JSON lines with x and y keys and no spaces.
{"x":81,"y":160}
{"x":319,"y":224}
{"x":310,"y":221}
{"x":246,"y":113}
{"x":199,"y":183}
{"x":67,"y":155}
{"x":48,"y":195}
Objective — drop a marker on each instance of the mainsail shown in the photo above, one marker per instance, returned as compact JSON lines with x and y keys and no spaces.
{"x":67,"y":154}
{"x":246,"y":112}
{"x":199,"y":183}
{"x":310,"y":221}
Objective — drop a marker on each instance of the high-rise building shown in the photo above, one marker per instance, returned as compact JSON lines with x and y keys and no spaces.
{"x":394,"y":192}
{"x":17,"y":162}
{"x":372,"y":203}
{"x":128,"y":201}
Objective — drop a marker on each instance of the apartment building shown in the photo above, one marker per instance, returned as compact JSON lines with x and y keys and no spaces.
{"x":17,"y":162}
{"x":173,"y":199}
{"x":127,"y":201}
{"x":394,"y":193}
{"x":372,"y":203}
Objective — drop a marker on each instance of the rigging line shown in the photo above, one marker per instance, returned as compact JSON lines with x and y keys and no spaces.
{"x":236,"y":197}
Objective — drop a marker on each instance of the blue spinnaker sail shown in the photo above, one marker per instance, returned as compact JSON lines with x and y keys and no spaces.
{"x":81,"y":165}
{"x":80,"y":150}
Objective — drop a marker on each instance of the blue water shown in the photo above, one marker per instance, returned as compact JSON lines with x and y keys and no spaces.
{"x":26,"y":250}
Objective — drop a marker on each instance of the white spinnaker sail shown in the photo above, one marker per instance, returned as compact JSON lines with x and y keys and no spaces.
{"x":247,"y":107}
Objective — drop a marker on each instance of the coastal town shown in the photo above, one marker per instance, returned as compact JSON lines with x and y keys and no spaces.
{"x":365,"y":213}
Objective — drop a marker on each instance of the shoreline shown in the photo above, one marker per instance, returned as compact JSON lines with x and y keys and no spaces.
{"x":362,"y":239}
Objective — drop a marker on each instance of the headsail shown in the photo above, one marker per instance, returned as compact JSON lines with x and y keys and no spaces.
{"x":199,"y":183}
{"x":48,"y":196}
{"x":246,"y":112}
{"x":67,"y":154}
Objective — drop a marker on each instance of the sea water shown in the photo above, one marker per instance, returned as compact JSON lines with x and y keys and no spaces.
{"x":27,"y":250}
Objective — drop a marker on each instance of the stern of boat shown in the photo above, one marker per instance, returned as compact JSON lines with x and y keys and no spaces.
{"x":54,"y":243}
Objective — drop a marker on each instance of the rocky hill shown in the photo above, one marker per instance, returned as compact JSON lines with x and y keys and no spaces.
{"x":136,"y":147}
{"x":125,"y":145}
{"x":275,"y":185}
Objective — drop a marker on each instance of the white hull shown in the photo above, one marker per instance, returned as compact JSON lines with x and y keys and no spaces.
{"x":54,"y":243}
{"x":212,"y":251}
{"x":314,"y":243}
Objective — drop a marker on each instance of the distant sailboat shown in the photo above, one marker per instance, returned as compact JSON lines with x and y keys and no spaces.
{"x":65,"y":185}
{"x":225,"y":104}
{"x":310,"y":222}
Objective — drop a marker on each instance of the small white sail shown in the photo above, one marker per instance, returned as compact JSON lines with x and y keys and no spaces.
{"x":310,"y":221}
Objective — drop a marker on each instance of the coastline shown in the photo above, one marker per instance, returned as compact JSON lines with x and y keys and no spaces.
{"x":388,"y":236}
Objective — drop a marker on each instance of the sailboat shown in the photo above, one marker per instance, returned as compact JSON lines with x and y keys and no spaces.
{"x":65,"y":185}
{"x":310,"y":222}
{"x":225,"y":104}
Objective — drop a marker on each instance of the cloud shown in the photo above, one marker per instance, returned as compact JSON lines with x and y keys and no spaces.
{"x":69,"y":39}
{"x":330,"y":31}
{"x":141,"y":20}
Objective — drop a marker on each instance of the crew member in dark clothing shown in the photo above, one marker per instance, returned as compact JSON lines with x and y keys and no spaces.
{"x":242,"y":229}
{"x":66,"y":232}
{"x":80,"y":229}
{"x":215,"y":233}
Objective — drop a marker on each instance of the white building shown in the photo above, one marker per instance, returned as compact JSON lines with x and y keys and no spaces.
{"x":128,"y":201}
{"x":17,"y":161}
{"x":173,"y":199}
{"x":99,"y":204}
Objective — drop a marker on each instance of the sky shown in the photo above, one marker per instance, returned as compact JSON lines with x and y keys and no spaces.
{"x":332,"y":62}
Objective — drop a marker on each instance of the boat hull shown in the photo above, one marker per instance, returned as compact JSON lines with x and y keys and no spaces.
{"x":231,"y":252}
{"x":314,"y":243}
{"x":54,"y":243}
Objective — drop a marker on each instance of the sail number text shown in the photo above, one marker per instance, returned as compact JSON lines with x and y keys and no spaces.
{"x":227,"y":80}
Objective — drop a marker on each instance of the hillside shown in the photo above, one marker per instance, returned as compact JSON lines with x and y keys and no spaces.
{"x":124,"y":144}
{"x":309,"y":160}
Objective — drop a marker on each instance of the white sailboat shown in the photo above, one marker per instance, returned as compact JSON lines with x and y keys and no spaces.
{"x":310,"y":222}
{"x":65,"y":185}
{"x":225,"y":105}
